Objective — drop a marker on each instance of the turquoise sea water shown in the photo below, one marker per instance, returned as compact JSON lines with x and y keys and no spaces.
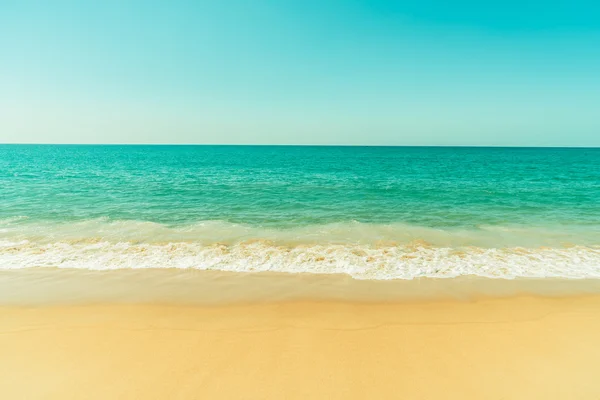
{"x":372,"y":212}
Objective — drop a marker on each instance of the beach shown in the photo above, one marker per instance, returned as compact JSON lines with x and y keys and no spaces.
{"x":279,"y":200}
{"x":511,"y":348}
{"x":478,"y":339}
{"x":269,"y":272}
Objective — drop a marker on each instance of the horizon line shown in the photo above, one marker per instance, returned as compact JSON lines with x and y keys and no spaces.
{"x":292,"y":145}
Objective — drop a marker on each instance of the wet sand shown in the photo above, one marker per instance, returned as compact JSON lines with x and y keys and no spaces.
{"x":510,"y":346}
{"x":56,"y":286}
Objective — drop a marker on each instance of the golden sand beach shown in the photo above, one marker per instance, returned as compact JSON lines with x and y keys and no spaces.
{"x":480,"y":347}
{"x":517,"y":348}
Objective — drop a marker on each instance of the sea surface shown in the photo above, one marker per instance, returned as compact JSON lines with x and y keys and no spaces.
{"x":370,"y":212}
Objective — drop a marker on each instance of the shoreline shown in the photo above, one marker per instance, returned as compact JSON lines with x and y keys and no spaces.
{"x":156,"y":334}
{"x":56,"y":286}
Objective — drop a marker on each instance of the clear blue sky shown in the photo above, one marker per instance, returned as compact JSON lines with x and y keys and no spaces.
{"x":307,"y":71}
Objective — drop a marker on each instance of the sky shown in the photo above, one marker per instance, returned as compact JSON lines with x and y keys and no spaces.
{"x":354,"y":72}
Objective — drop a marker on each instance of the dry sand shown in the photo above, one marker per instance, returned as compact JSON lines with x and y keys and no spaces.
{"x":504,"y":348}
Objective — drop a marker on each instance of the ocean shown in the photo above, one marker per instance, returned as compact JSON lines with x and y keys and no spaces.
{"x":369,"y":212}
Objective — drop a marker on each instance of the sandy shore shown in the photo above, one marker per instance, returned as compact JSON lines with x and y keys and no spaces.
{"x":506,"y":348}
{"x":62,"y":286}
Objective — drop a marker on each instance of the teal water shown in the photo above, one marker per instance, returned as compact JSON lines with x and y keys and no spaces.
{"x":321,"y":209}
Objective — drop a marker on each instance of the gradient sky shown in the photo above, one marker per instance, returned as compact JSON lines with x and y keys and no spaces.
{"x":519,"y":73}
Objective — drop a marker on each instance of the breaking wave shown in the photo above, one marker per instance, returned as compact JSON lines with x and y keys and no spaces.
{"x":363,"y":251}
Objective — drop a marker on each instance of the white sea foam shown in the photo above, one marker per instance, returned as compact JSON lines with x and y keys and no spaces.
{"x":364,"y":251}
{"x":407,"y":261}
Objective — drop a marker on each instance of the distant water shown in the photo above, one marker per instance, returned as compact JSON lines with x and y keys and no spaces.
{"x":371,"y":212}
